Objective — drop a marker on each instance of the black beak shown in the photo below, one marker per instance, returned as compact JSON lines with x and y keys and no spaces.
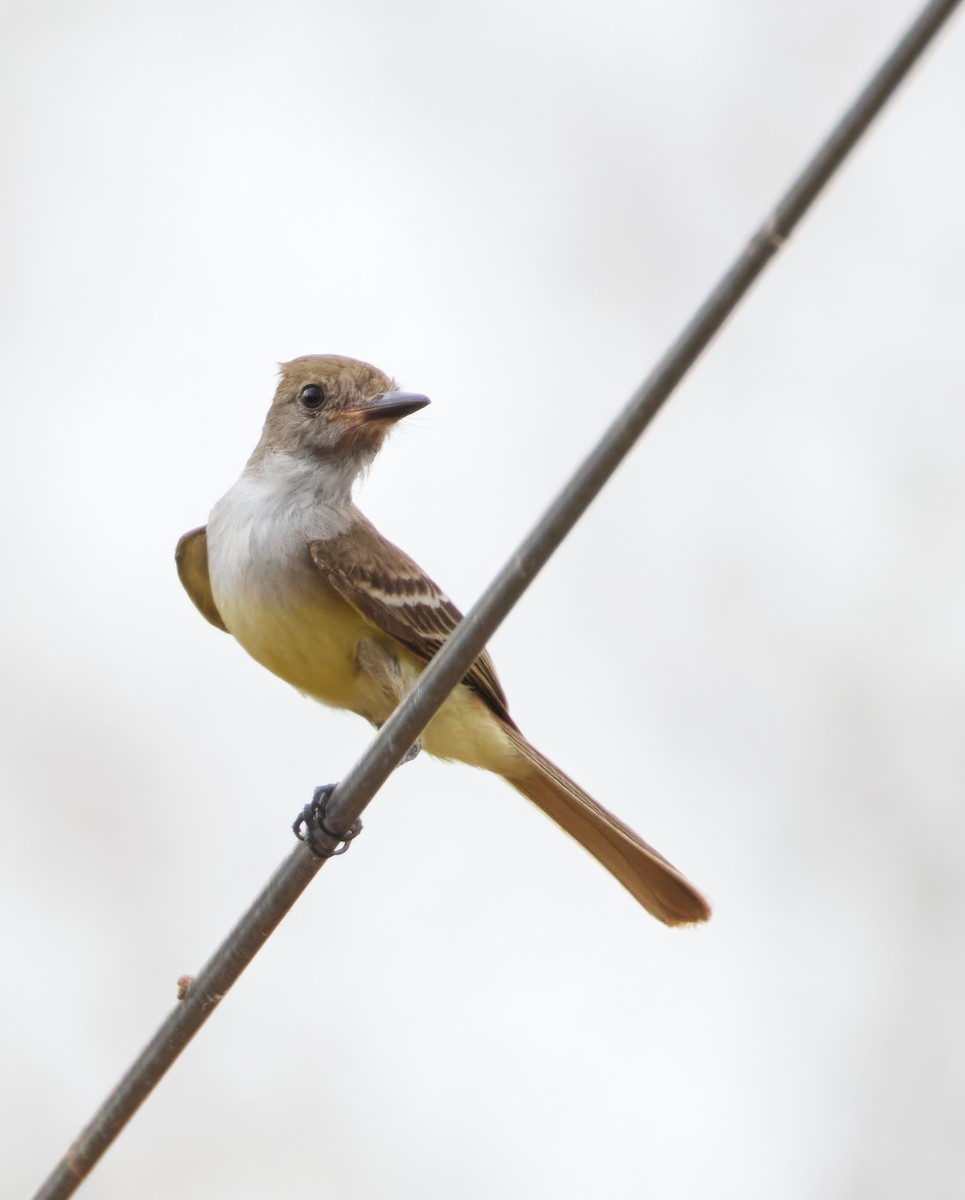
{"x":392,"y":406}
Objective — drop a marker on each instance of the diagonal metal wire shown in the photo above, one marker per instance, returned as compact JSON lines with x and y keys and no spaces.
{"x":449,"y":666}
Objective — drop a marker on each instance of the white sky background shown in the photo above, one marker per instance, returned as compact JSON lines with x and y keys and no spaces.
{"x":511,"y":207}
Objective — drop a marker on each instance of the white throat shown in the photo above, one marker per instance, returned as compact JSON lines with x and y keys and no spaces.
{"x":266,"y":520}
{"x":307,"y":478}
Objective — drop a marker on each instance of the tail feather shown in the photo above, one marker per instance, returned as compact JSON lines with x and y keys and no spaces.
{"x":646,"y":875}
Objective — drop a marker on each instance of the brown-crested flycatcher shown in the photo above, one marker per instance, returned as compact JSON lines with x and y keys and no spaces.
{"x":289,"y":566}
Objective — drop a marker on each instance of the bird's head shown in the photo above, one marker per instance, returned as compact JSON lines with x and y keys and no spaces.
{"x":334,"y":408}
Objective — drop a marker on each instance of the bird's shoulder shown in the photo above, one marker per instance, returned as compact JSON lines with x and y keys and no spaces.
{"x":396,"y":595}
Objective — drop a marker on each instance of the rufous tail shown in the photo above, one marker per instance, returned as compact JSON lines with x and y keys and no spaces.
{"x":646,"y":875}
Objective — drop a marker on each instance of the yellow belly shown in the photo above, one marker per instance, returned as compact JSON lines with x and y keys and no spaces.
{"x":311,"y":643}
{"x":315,"y":646}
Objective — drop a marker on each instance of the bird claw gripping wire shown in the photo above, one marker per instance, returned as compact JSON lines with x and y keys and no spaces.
{"x":310,"y":822}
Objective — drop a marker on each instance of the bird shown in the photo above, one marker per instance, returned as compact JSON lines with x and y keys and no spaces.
{"x":289,"y":566}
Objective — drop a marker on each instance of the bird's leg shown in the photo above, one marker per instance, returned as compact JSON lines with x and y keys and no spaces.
{"x":384,"y":668}
{"x":310,"y":824}
{"x":374,"y":658}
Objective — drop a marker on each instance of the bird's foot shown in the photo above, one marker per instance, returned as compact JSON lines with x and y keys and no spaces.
{"x":411,"y":753}
{"x":310,"y":825}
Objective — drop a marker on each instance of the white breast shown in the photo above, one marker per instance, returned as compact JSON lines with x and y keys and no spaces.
{"x":271,"y":595}
{"x":258,"y":531}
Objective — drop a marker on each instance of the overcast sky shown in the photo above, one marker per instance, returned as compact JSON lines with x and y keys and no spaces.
{"x":752,"y":648}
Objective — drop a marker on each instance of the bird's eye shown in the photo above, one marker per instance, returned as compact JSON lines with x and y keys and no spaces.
{"x":311,"y":397}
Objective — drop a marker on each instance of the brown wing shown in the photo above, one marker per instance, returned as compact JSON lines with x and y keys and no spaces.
{"x":394,"y":593}
{"x":191,"y":557}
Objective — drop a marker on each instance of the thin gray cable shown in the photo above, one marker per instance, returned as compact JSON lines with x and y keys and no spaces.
{"x":451,"y":663}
